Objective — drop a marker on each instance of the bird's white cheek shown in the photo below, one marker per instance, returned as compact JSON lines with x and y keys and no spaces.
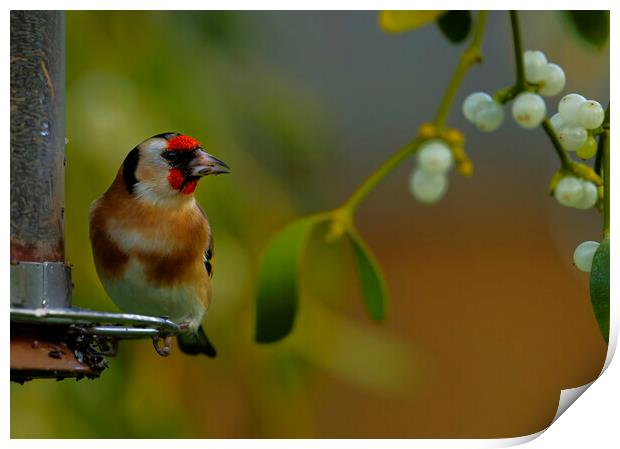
{"x":153,"y":184}
{"x":160,"y":193}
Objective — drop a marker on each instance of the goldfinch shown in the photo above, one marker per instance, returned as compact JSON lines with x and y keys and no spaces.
{"x":151,"y":241}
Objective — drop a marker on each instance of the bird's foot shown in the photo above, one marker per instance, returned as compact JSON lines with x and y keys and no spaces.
{"x":164,"y":350}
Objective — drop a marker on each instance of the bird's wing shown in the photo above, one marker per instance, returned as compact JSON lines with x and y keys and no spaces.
{"x":209,"y":257}
{"x":209,"y":254}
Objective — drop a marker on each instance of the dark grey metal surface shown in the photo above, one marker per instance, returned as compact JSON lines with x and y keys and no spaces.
{"x":40,"y":284}
{"x":37,"y":135}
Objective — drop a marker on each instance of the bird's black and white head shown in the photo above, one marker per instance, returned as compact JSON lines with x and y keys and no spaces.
{"x":166,"y":168}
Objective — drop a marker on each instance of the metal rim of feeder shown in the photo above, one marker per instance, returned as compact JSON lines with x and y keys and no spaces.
{"x":117,"y":325}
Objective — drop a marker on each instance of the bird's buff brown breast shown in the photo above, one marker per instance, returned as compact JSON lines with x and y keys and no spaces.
{"x":168,"y":243}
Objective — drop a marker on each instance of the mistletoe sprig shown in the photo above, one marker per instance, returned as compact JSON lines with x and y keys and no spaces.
{"x":576,"y":127}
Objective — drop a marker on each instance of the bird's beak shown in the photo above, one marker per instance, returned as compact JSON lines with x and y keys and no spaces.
{"x":204,"y":164}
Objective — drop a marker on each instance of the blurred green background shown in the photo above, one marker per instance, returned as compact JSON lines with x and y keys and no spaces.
{"x":488,"y":320}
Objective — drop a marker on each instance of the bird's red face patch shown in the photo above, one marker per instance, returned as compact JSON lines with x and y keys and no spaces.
{"x":182,"y":143}
{"x":189,"y":187}
{"x":175,"y":178}
{"x":178,"y":182}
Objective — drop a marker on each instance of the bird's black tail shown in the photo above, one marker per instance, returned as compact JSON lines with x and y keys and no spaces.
{"x":196,"y":343}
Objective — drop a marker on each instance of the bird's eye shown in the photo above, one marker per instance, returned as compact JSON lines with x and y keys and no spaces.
{"x":169,"y":155}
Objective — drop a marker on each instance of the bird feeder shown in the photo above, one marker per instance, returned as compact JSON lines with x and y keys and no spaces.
{"x":49,"y":337}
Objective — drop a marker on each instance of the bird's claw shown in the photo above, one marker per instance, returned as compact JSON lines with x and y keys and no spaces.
{"x":164,"y":350}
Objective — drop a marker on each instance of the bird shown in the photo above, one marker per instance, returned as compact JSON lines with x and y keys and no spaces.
{"x":151,"y":241}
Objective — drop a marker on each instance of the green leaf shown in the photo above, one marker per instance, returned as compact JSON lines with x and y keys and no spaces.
{"x":372,"y":284}
{"x":278,"y":280}
{"x":455,"y":25}
{"x":591,"y":26}
{"x":599,"y":287}
{"x":399,"y":21}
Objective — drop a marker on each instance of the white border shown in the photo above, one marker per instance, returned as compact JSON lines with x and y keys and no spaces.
{"x":314,"y":5}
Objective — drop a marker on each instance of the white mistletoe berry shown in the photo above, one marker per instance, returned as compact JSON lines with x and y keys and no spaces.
{"x":553,"y":80}
{"x":572,"y":136}
{"x":472,"y":102}
{"x":568,"y":106}
{"x":584,"y":255}
{"x":590,"y":114}
{"x":489,"y":115}
{"x":435,"y":157}
{"x":557,"y":121}
{"x":569,"y":191}
{"x":428,"y":187}
{"x":528,"y":110}
{"x":533,"y":62}
{"x":589,"y":197}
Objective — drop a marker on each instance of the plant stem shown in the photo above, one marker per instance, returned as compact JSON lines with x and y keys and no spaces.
{"x":598,"y":160}
{"x":561,"y":152}
{"x":505,"y":95}
{"x":380,"y":173}
{"x":599,"y":150}
{"x":521,"y":85}
{"x":469,"y":57}
{"x":518,"y":48}
{"x":606,"y":176}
